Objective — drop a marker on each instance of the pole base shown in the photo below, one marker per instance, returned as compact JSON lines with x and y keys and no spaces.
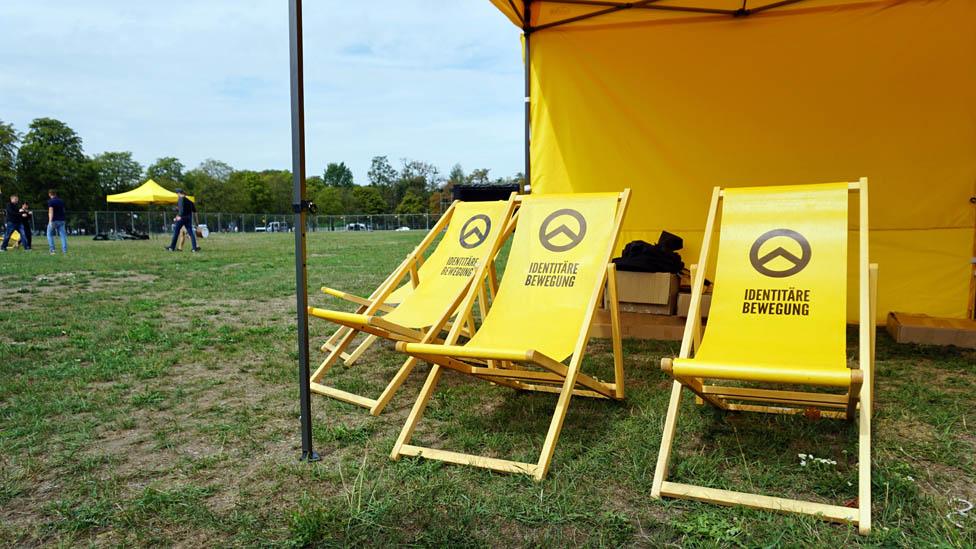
{"x":310,"y":456}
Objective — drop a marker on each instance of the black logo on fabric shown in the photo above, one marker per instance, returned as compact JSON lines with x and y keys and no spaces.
{"x":566,"y":222}
{"x":475,"y":231}
{"x":761,"y":263}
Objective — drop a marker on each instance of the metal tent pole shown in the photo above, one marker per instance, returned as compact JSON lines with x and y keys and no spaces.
{"x":527,"y":33}
{"x":300,"y":206}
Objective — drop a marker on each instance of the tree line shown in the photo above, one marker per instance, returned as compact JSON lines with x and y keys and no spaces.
{"x":50,"y":155}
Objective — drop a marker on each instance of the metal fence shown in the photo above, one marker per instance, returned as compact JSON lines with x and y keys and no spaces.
{"x":150,"y":222}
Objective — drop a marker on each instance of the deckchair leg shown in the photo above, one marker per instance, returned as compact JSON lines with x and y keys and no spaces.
{"x":330,"y":343}
{"x":867,"y":408}
{"x":864,"y":462}
{"x":618,"y":350}
{"x":366,"y":344}
{"x":667,"y":440}
{"x":333,"y":356}
{"x":562,"y":405}
{"x":393,"y":386}
{"x":418,"y":410}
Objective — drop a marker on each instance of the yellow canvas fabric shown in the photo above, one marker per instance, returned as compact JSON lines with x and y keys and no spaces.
{"x":468,"y":240}
{"x":149,"y":192}
{"x":778,"y":310}
{"x":558,"y":254}
{"x":671,"y":104}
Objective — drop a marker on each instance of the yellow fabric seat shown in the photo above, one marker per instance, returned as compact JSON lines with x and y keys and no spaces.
{"x":554,"y":279}
{"x":778,"y":316}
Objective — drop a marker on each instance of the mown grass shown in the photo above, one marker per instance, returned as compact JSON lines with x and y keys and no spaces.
{"x":151,"y":398}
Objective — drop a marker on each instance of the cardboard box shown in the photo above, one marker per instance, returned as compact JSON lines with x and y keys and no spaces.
{"x":684,"y":303}
{"x":928,"y":330}
{"x":649,"y":293}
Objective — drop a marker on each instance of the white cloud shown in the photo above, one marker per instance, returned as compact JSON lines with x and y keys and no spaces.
{"x":433,"y":80}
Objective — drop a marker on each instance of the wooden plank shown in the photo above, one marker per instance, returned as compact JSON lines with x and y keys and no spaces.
{"x":589,"y":382}
{"x":517,"y":374}
{"x":866,"y":322}
{"x":834,"y":513}
{"x":417,"y":411}
{"x":502,"y":465}
{"x":358,"y":351}
{"x":339,"y":394}
{"x":618,"y":349}
{"x":782,"y":410}
{"x":667,"y":441}
{"x":558,"y":388}
{"x":775,"y":395}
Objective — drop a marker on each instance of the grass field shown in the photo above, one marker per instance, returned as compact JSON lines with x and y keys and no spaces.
{"x":151,"y":398}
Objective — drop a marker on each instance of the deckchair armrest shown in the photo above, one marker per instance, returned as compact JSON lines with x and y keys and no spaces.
{"x":461,"y":351}
{"x":347,"y":319}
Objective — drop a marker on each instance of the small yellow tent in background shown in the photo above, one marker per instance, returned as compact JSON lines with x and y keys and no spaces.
{"x":148,"y":193}
{"x":674,"y":97}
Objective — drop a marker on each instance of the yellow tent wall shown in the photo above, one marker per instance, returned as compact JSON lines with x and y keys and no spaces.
{"x":672,"y":104}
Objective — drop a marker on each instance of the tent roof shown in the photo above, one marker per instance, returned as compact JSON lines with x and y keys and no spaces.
{"x":149,"y":192}
{"x":551,"y":13}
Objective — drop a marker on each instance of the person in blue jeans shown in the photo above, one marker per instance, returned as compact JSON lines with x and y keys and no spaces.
{"x":55,"y":221}
{"x":184,"y":218}
{"x":14,"y":223}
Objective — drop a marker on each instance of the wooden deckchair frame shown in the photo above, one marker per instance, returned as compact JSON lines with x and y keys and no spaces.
{"x":505,"y":368}
{"x":856,"y":404}
{"x":376,"y":327}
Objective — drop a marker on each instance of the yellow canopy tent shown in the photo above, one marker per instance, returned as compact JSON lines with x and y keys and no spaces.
{"x":147,"y":194}
{"x":673,"y":97}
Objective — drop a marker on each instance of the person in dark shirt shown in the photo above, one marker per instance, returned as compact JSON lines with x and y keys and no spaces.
{"x":56,"y":221}
{"x":184,"y":218}
{"x":14,"y":223}
{"x":27,"y":219}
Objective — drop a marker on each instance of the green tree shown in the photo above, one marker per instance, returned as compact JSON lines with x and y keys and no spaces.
{"x":51,"y":155}
{"x":368,"y":200}
{"x":456,"y":177}
{"x":416,"y":170}
{"x":329,"y":201}
{"x":280,"y":188}
{"x":167,"y":171}
{"x":117,"y":171}
{"x":314,"y":185}
{"x":383,"y":177}
{"x":215,"y":169}
{"x":8,"y":156}
{"x":338,"y":175}
{"x":412,"y":203}
{"x":478,"y":177}
{"x":254,"y":192}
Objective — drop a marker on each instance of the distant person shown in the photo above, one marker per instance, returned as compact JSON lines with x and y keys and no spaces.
{"x":27,"y":219}
{"x":181,"y":240}
{"x":56,"y":221}
{"x":14,"y":223}
{"x":184,"y":218}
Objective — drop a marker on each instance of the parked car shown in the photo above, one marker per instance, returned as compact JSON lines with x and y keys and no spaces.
{"x":356,"y":227}
{"x":273,"y":227}
{"x":401,"y":229}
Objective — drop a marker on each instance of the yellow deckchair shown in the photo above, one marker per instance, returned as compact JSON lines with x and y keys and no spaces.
{"x":557,"y":268}
{"x":415,"y":257}
{"x":471,"y":233}
{"x":778,"y":316}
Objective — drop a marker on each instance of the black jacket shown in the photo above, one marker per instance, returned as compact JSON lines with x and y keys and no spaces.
{"x":13,"y":213}
{"x":185,"y":207}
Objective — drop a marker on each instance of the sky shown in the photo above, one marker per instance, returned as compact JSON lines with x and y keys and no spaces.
{"x":432,"y":80}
